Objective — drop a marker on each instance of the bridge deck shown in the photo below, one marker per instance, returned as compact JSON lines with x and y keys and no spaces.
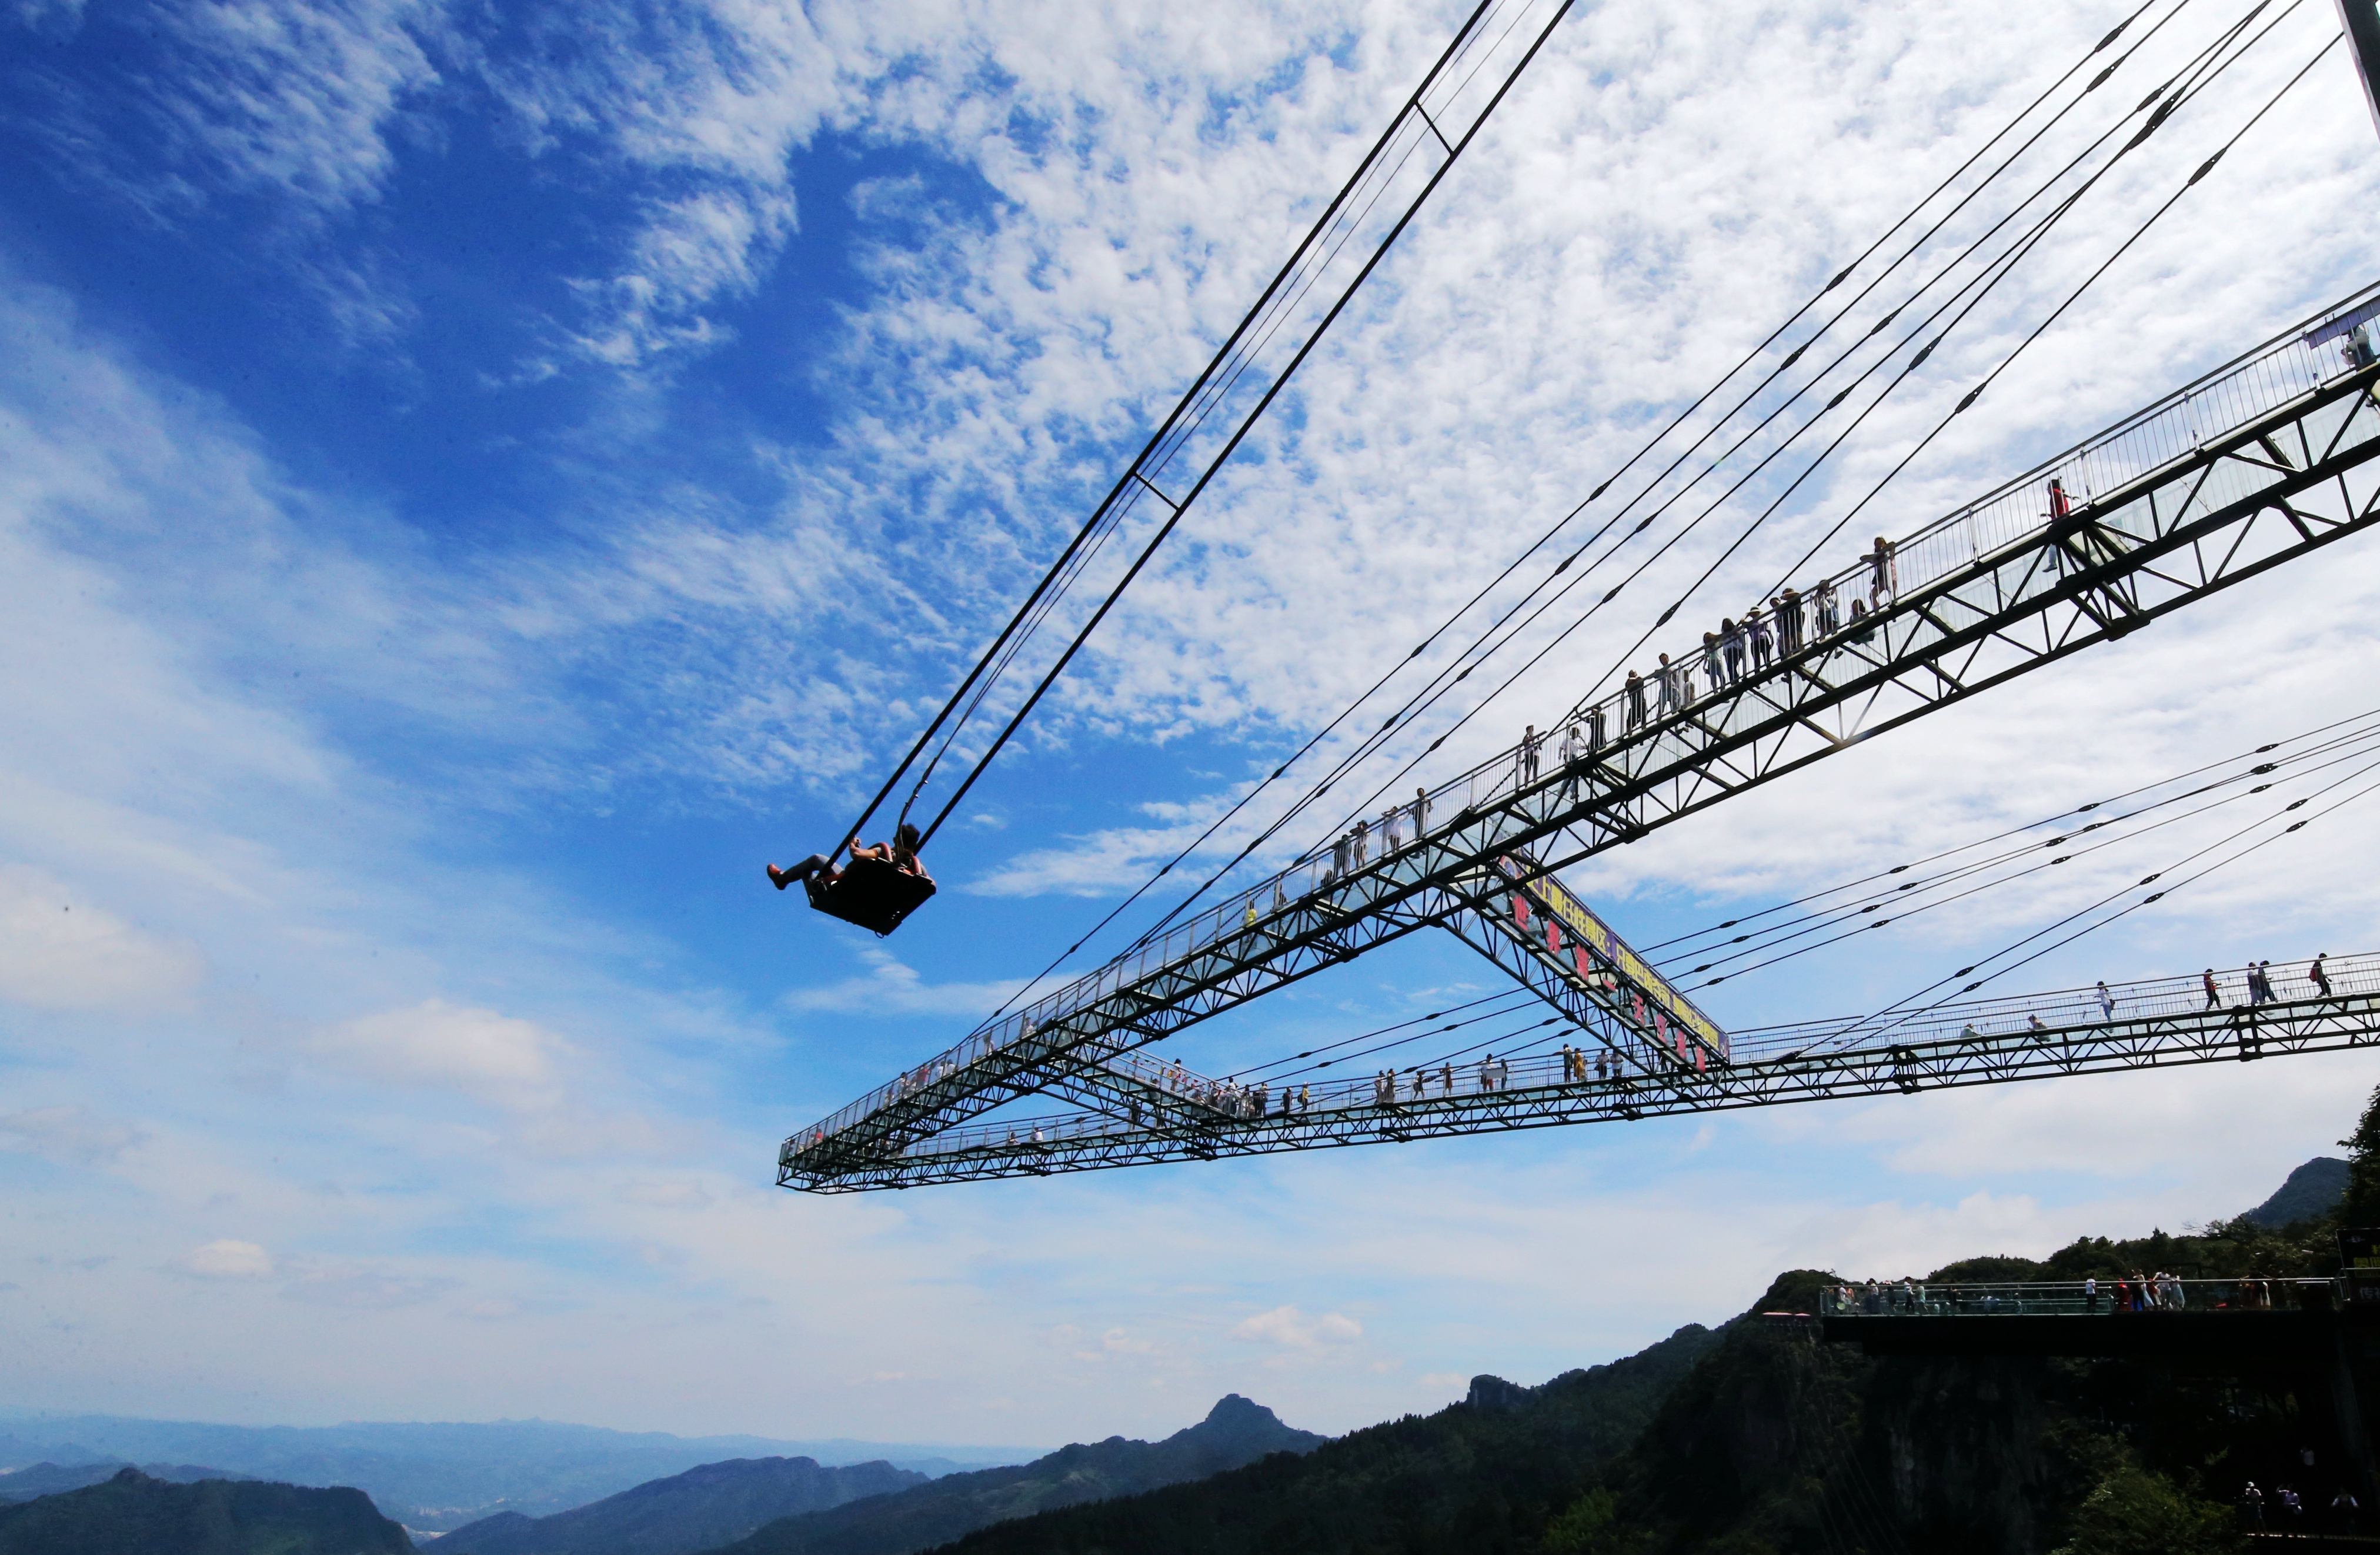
{"x":2155,"y":1024}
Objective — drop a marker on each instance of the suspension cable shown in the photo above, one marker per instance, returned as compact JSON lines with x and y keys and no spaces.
{"x":1402,"y":714}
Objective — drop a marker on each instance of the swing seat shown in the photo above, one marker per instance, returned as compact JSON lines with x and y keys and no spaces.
{"x":872,"y":893}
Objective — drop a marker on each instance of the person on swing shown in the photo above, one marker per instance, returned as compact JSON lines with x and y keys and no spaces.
{"x":817,"y":872}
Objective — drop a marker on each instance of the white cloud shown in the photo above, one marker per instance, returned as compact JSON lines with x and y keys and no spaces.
{"x":366,"y":1289}
{"x":69,"y":1134}
{"x":892,"y":986}
{"x":697,"y":250}
{"x":478,"y":1052}
{"x":227,"y":1259}
{"x":58,"y":954}
{"x":296,"y":100}
{"x":1292,"y":1330}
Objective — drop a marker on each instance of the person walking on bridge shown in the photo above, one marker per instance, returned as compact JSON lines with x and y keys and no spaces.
{"x":2213,"y":994}
{"x":1821,"y":604}
{"x":1789,"y":621}
{"x":1763,"y":647}
{"x":1730,"y":642}
{"x":1635,"y":701}
{"x":1884,"y":574}
{"x":2107,"y":1002}
{"x":2316,"y":976}
{"x":1672,"y":700}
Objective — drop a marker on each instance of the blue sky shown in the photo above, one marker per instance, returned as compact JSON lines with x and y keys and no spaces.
{"x":477,"y":481}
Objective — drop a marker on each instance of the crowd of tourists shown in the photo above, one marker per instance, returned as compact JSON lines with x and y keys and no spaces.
{"x":2138,"y":1292}
{"x":2288,"y":1509}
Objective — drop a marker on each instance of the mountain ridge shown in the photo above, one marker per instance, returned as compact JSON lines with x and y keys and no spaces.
{"x":2309,"y":1192}
{"x":133,"y":1514}
{"x":1236,"y":1432}
{"x":1759,"y":1437}
{"x":49,"y":1479}
{"x":438,"y":1475}
{"x":707,"y":1505}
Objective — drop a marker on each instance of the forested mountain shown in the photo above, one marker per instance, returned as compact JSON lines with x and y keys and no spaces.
{"x":48,"y":1479}
{"x":715,"y":1504}
{"x":1235,"y":1432}
{"x":1479,"y":1477}
{"x":1758,"y":1438}
{"x":2313,"y":1190}
{"x":134,"y":1514}
{"x":1782,"y":1444}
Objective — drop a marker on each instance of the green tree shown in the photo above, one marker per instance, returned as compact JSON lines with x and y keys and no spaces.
{"x":2134,"y":1511}
{"x":2361,"y":1205}
{"x":1587,"y":1526}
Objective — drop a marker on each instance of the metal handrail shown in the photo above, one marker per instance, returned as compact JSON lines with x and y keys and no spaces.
{"x":2077,"y":1011}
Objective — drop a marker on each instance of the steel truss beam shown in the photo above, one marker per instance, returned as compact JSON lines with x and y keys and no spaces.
{"x":2294,"y":474}
{"x":1601,"y":1014}
{"x":1526,"y":921}
{"x":1546,"y":1097}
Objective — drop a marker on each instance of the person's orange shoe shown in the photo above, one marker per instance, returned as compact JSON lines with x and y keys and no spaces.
{"x":780,"y":878}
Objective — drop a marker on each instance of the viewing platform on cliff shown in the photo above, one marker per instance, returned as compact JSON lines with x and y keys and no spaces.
{"x":2279,"y":1320}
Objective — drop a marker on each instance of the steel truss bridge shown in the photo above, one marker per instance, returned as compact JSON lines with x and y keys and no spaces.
{"x":2156,"y":1024}
{"x":2263,"y":461}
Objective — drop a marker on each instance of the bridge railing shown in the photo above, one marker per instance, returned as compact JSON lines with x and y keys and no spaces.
{"x":2109,"y":1298}
{"x":1540,"y":1055}
{"x":1476,"y":1075}
{"x":1526,"y":1064}
{"x":2306,"y":358}
{"x":2066,"y":1009}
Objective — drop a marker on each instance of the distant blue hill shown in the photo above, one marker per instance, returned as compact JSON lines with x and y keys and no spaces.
{"x":715,"y":1504}
{"x":50,"y":1479}
{"x":437,"y":1477}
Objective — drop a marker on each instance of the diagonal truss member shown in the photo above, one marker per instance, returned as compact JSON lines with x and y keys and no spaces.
{"x":2268,"y":459}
